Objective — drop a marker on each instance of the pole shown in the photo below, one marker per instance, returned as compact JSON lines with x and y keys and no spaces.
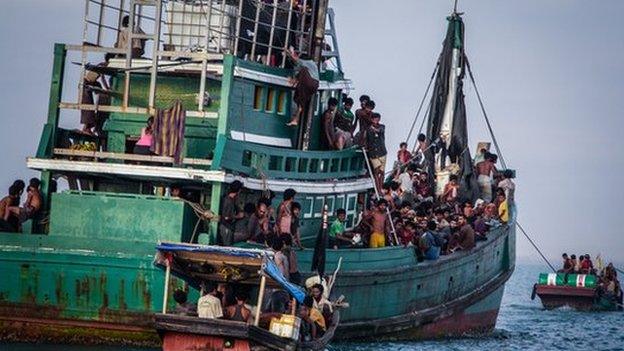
{"x":319,"y":36}
{"x":166,"y":293}
{"x":370,"y":171}
{"x":260,"y":297}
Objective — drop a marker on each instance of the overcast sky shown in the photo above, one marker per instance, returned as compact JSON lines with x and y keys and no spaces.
{"x":550,"y":73}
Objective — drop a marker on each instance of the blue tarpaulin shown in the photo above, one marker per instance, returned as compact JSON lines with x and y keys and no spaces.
{"x":270,"y":268}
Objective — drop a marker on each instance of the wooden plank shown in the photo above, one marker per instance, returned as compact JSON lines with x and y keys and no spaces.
{"x":128,"y":157}
{"x":129,"y":109}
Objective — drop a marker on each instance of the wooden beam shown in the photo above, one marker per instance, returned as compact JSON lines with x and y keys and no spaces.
{"x":129,"y":157}
{"x":129,"y":109}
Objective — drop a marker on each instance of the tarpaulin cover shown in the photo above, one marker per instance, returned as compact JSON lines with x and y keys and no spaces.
{"x":457,"y":151}
{"x":271,"y":269}
{"x":232,"y":251}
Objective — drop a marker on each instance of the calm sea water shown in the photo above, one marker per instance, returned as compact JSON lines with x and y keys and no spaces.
{"x":522,"y":325}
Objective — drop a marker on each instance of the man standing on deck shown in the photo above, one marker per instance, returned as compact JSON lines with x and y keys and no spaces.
{"x":485,"y":171}
{"x":375,"y":144}
{"x":230,"y":214}
{"x":377,"y":218}
{"x":305,"y":82}
{"x":361,"y":112}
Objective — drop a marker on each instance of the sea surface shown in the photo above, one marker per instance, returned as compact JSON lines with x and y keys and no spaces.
{"x":522,"y":325}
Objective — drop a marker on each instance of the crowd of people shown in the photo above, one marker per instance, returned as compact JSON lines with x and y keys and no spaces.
{"x":12,"y":215}
{"x":607,"y":276}
{"x":230,"y":302}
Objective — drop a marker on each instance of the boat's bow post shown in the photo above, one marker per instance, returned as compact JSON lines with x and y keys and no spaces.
{"x":260,"y":297}
{"x":168,"y":259}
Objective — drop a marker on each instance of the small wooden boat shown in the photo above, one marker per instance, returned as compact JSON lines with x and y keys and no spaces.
{"x":196,"y":264}
{"x":579,"y":291}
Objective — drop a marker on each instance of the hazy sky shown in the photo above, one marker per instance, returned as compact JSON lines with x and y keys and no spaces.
{"x":550,"y":73}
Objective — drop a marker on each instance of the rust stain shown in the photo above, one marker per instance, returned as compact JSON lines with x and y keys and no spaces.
{"x":61,"y":297}
{"x":141,"y":288}
{"x":122,"y":295}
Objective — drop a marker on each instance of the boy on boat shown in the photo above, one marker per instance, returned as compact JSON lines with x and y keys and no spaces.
{"x":30,"y":208}
{"x":379,"y":224}
{"x":305,"y":82}
{"x":209,"y":305}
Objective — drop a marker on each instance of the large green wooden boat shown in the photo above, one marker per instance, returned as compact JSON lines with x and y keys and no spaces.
{"x":83,"y":272}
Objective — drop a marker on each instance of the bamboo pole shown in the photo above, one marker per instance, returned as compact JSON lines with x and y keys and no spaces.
{"x":166,"y":293}
{"x":260,"y":297}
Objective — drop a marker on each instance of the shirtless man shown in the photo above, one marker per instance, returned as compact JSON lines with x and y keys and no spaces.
{"x":485,"y":171}
{"x":31,"y":206}
{"x":379,"y":224}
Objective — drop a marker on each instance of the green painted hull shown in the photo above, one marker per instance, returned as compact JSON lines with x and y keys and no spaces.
{"x":89,"y":286}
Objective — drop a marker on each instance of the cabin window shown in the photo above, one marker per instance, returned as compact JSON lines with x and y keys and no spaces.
{"x":257,"y":102}
{"x":270,"y":101}
{"x":291,"y":164}
{"x":314,"y":165}
{"x":307,"y":207}
{"x":281,"y":102}
{"x":335,"y":163}
{"x":344,"y":165}
{"x":303,"y":165}
{"x":275,"y":163}
{"x":351,"y":210}
{"x":318,"y":206}
{"x":339,"y":202}
{"x":329,"y":201}
{"x":247,"y":155}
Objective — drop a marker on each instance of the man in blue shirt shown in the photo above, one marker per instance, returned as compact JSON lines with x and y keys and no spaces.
{"x":429,"y":243}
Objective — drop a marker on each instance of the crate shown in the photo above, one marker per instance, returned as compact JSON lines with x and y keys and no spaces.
{"x":287,"y":326}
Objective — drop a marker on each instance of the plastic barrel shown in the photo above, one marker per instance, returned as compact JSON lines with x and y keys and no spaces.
{"x":551,"y":279}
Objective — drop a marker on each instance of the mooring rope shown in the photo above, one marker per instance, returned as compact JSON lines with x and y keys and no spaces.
{"x":535,"y":246}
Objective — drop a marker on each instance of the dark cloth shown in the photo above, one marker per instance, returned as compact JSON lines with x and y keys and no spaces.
{"x":254,"y":229}
{"x":229,"y":210}
{"x":306,"y":88}
{"x":6,"y":227}
{"x":238,"y":314}
{"x":295,"y":278}
{"x":87,"y":117}
{"x":142,"y":150}
{"x":227,"y":226}
{"x":327,"y":134}
{"x":341,"y":122}
{"x":466,"y":237}
{"x":294,"y":225}
{"x":376,"y":141}
{"x":168,"y":136}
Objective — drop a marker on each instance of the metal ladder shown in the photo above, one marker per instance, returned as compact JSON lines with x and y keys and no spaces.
{"x":155,"y":37}
{"x":331,"y":32}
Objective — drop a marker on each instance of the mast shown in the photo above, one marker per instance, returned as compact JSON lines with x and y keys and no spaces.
{"x":447,"y":125}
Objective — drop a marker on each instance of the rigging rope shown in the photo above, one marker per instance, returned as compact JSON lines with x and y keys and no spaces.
{"x":487,"y":120}
{"x":422,"y":101}
{"x":535,"y":246}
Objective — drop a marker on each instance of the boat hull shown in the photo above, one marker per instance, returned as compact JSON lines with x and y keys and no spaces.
{"x":81,"y":291}
{"x":579,"y":298}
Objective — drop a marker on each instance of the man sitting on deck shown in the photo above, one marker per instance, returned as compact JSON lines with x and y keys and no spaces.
{"x":464,"y":239}
{"x":238,"y":312}
{"x":312,"y":319}
{"x":568,"y":266}
{"x":31,"y":206}
{"x":5,"y":203}
{"x":209,"y":305}
{"x":337,"y":230}
{"x":429,"y":243}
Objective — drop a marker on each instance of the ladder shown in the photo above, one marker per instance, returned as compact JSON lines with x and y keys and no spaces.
{"x":155,"y":37}
{"x":331,"y":32}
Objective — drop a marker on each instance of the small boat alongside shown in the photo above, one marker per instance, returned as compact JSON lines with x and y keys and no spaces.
{"x":580,"y":291}
{"x":251,"y":269}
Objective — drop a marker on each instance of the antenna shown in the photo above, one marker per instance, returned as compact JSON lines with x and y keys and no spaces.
{"x":455,"y":7}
